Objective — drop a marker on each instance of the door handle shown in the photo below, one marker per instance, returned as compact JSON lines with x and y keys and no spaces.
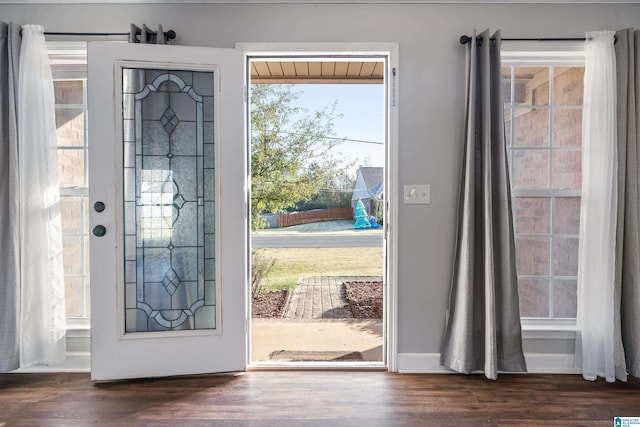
{"x":98,"y":206}
{"x":99,"y":230}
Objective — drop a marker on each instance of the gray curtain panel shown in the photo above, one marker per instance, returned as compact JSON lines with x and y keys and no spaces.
{"x":146,"y":35}
{"x":627,"y":283}
{"x":483,"y":330}
{"x":9,"y":186}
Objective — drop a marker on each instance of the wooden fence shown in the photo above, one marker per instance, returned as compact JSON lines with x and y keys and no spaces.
{"x":316,"y":215}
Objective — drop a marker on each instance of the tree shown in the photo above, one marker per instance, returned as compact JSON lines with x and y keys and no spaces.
{"x":290,"y":151}
{"x":337,"y":194}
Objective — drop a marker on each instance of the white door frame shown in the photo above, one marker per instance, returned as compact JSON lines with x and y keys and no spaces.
{"x":391,"y":52}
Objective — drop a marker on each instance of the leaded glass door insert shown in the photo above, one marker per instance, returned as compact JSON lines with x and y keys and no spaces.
{"x":169,"y":200}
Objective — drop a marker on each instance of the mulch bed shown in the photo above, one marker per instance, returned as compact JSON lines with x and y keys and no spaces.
{"x":365,"y":299}
{"x":270,"y":304}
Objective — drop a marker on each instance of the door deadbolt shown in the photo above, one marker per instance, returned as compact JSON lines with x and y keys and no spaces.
{"x":99,"y":230}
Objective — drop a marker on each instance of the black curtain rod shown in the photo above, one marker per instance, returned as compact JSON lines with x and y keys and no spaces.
{"x":464,"y":39}
{"x":170,"y":35}
{"x":49,"y":33}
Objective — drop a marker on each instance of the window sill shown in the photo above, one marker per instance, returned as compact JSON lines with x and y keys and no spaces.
{"x":561,"y":329}
{"x":78,"y":326}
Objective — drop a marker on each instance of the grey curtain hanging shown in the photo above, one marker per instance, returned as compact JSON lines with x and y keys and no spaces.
{"x":483,"y":330}
{"x":627,"y":278}
{"x":145,"y":35}
{"x":9,"y":200}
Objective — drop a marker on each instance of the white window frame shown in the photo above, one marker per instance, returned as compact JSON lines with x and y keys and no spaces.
{"x":545,"y":54}
{"x":69,"y":62}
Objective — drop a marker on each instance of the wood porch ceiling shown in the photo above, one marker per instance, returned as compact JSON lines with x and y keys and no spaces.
{"x":317,"y":72}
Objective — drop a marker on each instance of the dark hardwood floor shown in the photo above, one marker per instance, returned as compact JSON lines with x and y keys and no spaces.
{"x":315,"y":398}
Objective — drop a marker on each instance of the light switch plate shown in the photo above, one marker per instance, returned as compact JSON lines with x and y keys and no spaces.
{"x":417,"y":194}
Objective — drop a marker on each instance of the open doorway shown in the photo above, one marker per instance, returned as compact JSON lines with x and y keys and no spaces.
{"x":318,"y":147}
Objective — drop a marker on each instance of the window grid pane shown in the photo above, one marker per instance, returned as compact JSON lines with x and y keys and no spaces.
{"x":71,"y":125}
{"x":543,"y":118}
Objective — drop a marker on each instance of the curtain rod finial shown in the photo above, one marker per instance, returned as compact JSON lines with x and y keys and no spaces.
{"x":464,"y":39}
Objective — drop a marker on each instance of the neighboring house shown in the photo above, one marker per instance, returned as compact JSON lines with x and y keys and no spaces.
{"x":369,"y":188}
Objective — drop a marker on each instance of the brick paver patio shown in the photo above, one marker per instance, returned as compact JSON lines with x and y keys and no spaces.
{"x":321,"y":297}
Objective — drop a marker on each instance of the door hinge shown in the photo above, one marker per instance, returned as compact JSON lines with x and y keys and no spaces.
{"x":393,"y":86}
{"x":386,"y":219}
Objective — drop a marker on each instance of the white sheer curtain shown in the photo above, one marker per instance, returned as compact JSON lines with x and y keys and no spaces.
{"x":42,"y":318}
{"x":598,"y":347}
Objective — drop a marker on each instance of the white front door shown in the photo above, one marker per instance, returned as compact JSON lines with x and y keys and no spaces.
{"x":168,"y":210}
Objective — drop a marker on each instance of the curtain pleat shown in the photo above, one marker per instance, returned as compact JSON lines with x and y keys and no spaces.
{"x":9,"y":187}
{"x":42,"y":317}
{"x":483,"y":331}
{"x":627,"y":275}
{"x":145,"y":35}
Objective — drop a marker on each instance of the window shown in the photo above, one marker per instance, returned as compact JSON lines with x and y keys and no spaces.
{"x":543,"y":123}
{"x":68,"y":61}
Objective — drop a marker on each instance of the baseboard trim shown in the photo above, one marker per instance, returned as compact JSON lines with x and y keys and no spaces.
{"x":76,"y":361}
{"x":408,"y":363}
{"x":537,"y":363}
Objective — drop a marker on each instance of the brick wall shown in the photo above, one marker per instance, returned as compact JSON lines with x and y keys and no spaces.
{"x":541,"y":296}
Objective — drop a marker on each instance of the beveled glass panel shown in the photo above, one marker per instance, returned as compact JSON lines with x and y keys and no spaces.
{"x":203,"y":83}
{"x":532,"y":256}
{"x":531,"y":86}
{"x":530,"y":169}
{"x":531,"y":127}
{"x":533,"y":215}
{"x":170,"y":231}
{"x":534,"y":297}
{"x":568,"y":85}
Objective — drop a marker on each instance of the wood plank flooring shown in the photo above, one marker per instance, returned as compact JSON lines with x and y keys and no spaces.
{"x":315,"y":398}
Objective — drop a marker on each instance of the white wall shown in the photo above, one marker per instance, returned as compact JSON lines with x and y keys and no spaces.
{"x":431,"y":72}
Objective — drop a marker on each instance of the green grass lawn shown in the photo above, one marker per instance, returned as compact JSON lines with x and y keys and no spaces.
{"x":293,"y":263}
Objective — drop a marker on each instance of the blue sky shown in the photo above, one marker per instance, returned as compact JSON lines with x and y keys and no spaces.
{"x":362,"y":108}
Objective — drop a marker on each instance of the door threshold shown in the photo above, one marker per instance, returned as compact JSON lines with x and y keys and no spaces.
{"x":317,"y":366}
